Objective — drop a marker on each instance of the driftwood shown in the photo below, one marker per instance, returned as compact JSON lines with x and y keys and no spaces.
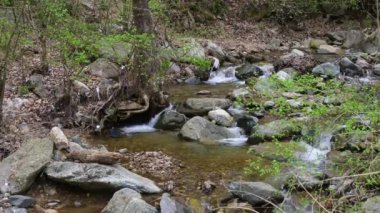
{"x":95,"y":156}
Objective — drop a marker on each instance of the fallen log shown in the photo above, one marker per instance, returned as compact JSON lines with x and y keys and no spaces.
{"x":95,"y":156}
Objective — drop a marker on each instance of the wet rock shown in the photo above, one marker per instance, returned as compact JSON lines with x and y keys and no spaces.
{"x":92,"y":176}
{"x":328,"y":49}
{"x":372,"y":205}
{"x":248,"y":71}
{"x":201,"y":106}
{"x":128,"y":201}
{"x":327,"y":69}
{"x":171,"y":120}
{"x":19,"y":170}
{"x":221,"y":117}
{"x":200,"y":129}
{"x":251,"y":191}
{"x":170,"y":205}
{"x":103,"y":68}
{"x":279,"y":129}
{"x":348,"y":68}
{"x":15,"y":210}
{"x":215,"y":50}
{"x":193,"y":81}
{"x":376,"y":69}
{"x":22,"y":201}
{"x":202,"y":74}
{"x":247,"y":122}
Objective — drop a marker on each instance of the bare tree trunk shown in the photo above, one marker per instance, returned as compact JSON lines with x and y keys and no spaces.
{"x":142,"y":16}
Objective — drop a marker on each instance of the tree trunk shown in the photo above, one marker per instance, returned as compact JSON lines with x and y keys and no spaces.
{"x":142,"y":16}
{"x":95,"y":156}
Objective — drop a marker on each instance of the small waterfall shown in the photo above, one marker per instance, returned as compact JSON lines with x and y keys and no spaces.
{"x":238,"y":138}
{"x":224,"y":75}
{"x":145,"y":128}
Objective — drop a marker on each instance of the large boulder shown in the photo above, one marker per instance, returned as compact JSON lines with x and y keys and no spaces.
{"x":279,"y":129}
{"x":327,"y":69}
{"x":248,"y":71}
{"x":128,"y":201}
{"x":293,"y":60}
{"x":221,"y":117}
{"x":372,"y":205}
{"x":19,"y":170}
{"x":255,"y":193}
{"x":103,"y":68}
{"x":348,"y":68}
{"x":92,"y":176}
{"x":350,"y":39}
{"x":170,"y":205}
{"x":200,"y":129}
{"x":171,"y":120}
{"x":201,"y":106}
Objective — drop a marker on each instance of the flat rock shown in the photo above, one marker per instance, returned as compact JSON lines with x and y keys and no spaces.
{"x":92,"y":176}
{"x":128,"y":201}
{"x":255,"y":192}
{"x":19,"y":170}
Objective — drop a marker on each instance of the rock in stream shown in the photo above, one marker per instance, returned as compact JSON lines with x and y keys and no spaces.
{"x":92,"y":176}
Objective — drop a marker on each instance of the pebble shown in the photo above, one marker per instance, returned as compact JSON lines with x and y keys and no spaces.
{"x":77,"y":204}
{"x":204,"y":92}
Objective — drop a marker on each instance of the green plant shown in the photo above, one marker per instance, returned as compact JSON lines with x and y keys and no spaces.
{"x":23,"y":89}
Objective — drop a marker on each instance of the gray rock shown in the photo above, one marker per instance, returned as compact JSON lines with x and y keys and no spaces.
{"x":118,"y":52}
{"x":36,"y":84}
{"x":81,"y":88}
{"x":22,"y":201}
{"x":19,"y":170}
{"x":15,"y":210}
{"x":283,"y":76}
{"x":242,"y":92}
{"x":309,"y":180}
{"x":269,"y":104}
{"x":169,"y":205}
{"x":279,"y":129}
{"x":248,"y":71}
{"x":255,"y":192}
{"x":328,"y":49}
{"x":215,"y":50}
{"x":92,"y":176}
{"x":327,"y":69}
{"x":221,"y":117}
{"x":201,"y":106}
{"x":174,"y":69}
{"x":128,"y":201}
{"x":316,"y":43}
{"x":193,"y":48}
{"x":200,"y":129}
{"x":103,"y":68}
{"x":247,"y":122}
{"x":376,"y":69}
{"x":171,"y":120}
{"x":193,"y":81}
{"x":372,"y":205}
{"x":348,"y":68}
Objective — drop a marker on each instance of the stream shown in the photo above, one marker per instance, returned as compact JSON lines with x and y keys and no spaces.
{"x":219,"y":163}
